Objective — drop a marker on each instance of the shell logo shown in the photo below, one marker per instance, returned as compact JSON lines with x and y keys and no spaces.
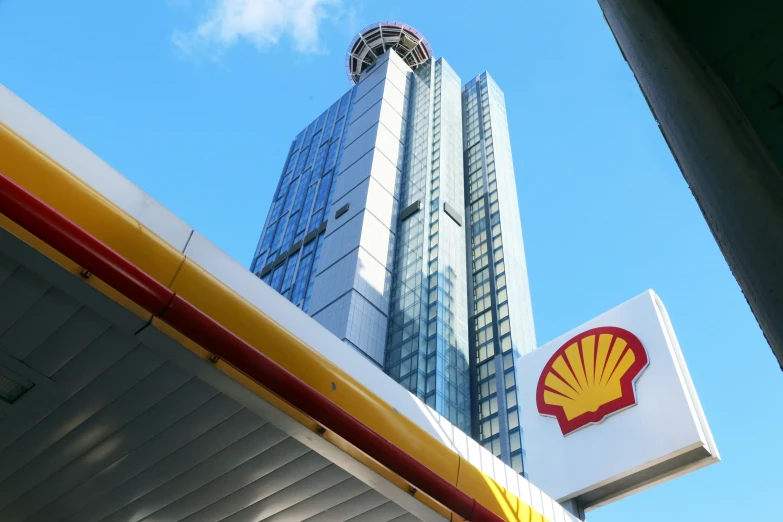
{"x":591,"y":377}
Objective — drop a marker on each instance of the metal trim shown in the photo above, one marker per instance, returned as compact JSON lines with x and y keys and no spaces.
{"x":264,"y":271}
{"x":309,"y":237}
{"x":341,"y":211}
{"x":452,"y":213}
{"x":294,"y":249}
{"x":279,"y":260}
{"x":410,"y":210}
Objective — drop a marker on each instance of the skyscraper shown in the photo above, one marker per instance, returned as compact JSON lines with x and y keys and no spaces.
{"x":395,"y":224}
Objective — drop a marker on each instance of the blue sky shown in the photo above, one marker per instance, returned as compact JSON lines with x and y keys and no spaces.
{"x":196,"y":101}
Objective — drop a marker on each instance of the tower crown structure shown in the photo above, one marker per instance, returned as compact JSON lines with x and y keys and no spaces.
{"x":375,"y":39}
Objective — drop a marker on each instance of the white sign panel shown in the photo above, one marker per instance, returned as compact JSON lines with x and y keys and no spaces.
{"x":609,"y":408}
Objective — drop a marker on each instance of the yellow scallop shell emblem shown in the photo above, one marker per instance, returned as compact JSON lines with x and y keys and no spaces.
{"x":591,"y":377}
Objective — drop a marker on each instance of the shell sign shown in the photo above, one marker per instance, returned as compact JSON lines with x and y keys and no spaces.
{"x":626,"y":361}
{"x":591,"y":377}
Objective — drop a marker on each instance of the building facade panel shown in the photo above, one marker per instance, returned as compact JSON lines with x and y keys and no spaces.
{"x":342,"y":240}
{"x":383,"y":203}
{"x":359,"y":145}
{"x":373,"y":280}
{"x":388,"y":143}
{"x":333,"y":317}
{"x":369,"y":98}
{"x":364,"y":122}
{"x":372,"y":165}
{"x":333,"y":280}
{"x":366,"y":328}
{"x":389,"y":67}
{"x":384,"y":98}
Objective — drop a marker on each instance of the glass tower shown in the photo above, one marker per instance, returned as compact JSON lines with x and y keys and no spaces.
{"x":395,"y":224}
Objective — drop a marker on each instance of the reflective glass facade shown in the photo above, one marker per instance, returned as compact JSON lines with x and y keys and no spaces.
{"x":427,"y":350}
{"x":406,"y":352}
{"x":494,"y":236}
{"x":446,"y":287}
{"x":287,"y":254}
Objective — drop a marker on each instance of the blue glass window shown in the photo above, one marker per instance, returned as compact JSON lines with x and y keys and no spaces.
{"x":319,"y":123}
{"x":308,"y":135}
{"x":289,"y":233}
{"x":338,"y":130}
{"x":331,"y":158}
{"x":298,"y":140}
{"x":330,"y":121}
{"x":303,"y":275}
{"x":331,"y":198}
{"x":320,"y":160}
{"x":300,"y":165}
{"x":303,"y":190}
{"x":289,"y":165}
{"x":344,"y":102}
{"x":340,"y":151}
{"x":306,"y":207}
{"x":316,"y":220}
{"x":277,"y":277}
{"x":270,"y":232}
{"x":323,"y":191}
{"x":290,"y":268}
{"x":291,"y":194}
{"x":310,"y":284}
{"x":349,"y":113}
{"x":278,"y":235}
{"x":313,"y":151}
{"x":301,"y":279}
{"x":286,"y":181}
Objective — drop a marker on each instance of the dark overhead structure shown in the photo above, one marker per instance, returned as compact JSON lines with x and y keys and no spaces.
{"x":712,"y":73}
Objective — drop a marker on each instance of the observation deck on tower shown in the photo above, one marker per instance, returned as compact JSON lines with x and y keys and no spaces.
{"x":375,"y":39}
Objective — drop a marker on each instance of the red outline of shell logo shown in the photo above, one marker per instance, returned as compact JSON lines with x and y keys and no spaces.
{"x":591,"y":377}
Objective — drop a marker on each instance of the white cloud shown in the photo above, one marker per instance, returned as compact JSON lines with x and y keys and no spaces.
{"x":261,"y":22}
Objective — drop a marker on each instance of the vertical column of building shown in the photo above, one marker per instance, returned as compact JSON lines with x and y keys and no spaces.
{"x":515,"y":264}
{"x":428,"y":346}
{"x":352,"y":288}
{"x":406,"y":353}
{"x":448,"y":250}
{"x":448,"y":311}
{"x":290,"y":244}
{"x":501,"y":317}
